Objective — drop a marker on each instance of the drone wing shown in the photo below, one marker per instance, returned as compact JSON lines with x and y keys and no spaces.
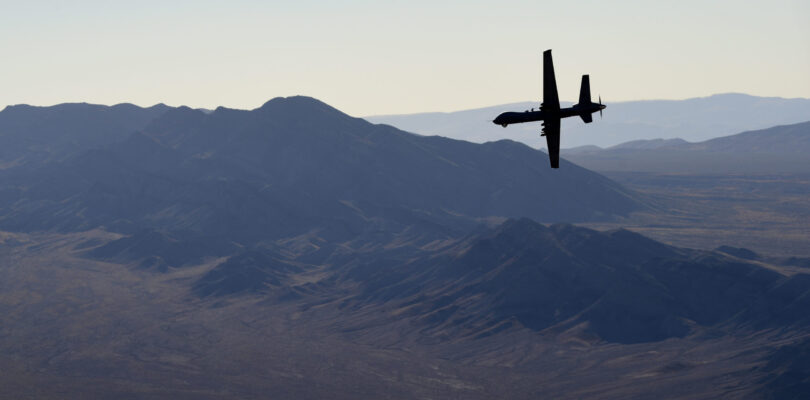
{"x":551,"y":100}
{"x":551,"y":130}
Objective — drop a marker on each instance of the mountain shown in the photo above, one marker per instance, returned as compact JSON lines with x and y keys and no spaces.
{"x":779,"y":149}
{"x":785,"y":139}
{"x":634,"y":144}
{"x":746,"y":254}
{"x":557,"y":280}
{"x":293,"y":251}
{"x":158,"y":251}
{"x":293,"y":165}
{"x":30,"y":134}
{"x":560,"y":278}
{"x":515,"y":309}
{"x":695,"y":119}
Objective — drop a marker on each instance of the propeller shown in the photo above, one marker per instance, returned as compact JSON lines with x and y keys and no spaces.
{"x":600,"y":108}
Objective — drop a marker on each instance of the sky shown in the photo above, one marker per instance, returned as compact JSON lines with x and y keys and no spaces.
{"x":396,"y":57}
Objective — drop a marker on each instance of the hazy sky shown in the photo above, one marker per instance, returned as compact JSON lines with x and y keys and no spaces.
{"x":385,"y":57}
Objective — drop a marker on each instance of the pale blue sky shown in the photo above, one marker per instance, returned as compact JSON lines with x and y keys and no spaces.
{"x":378,"y":57}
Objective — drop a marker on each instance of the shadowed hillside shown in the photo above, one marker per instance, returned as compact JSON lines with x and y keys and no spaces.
{"x":510,"y":310}
{"x":293,"y":251}
{"x":617,"y":286}
{"x":294,"y":165}
{"x":31,"y":135}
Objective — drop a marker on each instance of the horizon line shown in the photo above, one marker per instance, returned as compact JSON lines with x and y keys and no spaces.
{"x":392,"y":114}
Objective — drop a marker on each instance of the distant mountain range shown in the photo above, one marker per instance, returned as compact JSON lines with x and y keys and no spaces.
{"x":779,"y":149}
{"x":617,"y":285}
{"x":693,"y":120}
{"x":297,"y":251}
{"x":516,"y":275}
{"x":30,"y":134}
{"x":292,"y":165}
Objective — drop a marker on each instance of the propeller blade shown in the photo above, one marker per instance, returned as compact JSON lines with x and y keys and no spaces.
{"x":600,"y":109}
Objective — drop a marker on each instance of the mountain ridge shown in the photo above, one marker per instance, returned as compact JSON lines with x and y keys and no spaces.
{"x":692,"y":119}
{"x":777,"y":149}
{"x":231,"y":253}
{"x":35,"y":135}
{"x":552,"y":278}
{"x":289,"y":166}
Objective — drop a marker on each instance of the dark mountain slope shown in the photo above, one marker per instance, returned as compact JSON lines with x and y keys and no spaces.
{"x":788,"y":373}
{"x":291,"y":166}
{"x":324,"y":254}
{"x":31,"y":134}
{"x":300,"y":144}
{"x":617,"y":285}
{"x":252,"y":271}
{"x":159,"y":251}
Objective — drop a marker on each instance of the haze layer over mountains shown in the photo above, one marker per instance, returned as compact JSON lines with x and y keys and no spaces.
{"x":295,"y":251}
{"x":696,"y":119}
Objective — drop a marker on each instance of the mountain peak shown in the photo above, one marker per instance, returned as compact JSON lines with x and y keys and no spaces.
{"x":297,"y":103}
{"x":299,"y":107}
{"x":178,"y":115}
{"x":302,"y":112}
